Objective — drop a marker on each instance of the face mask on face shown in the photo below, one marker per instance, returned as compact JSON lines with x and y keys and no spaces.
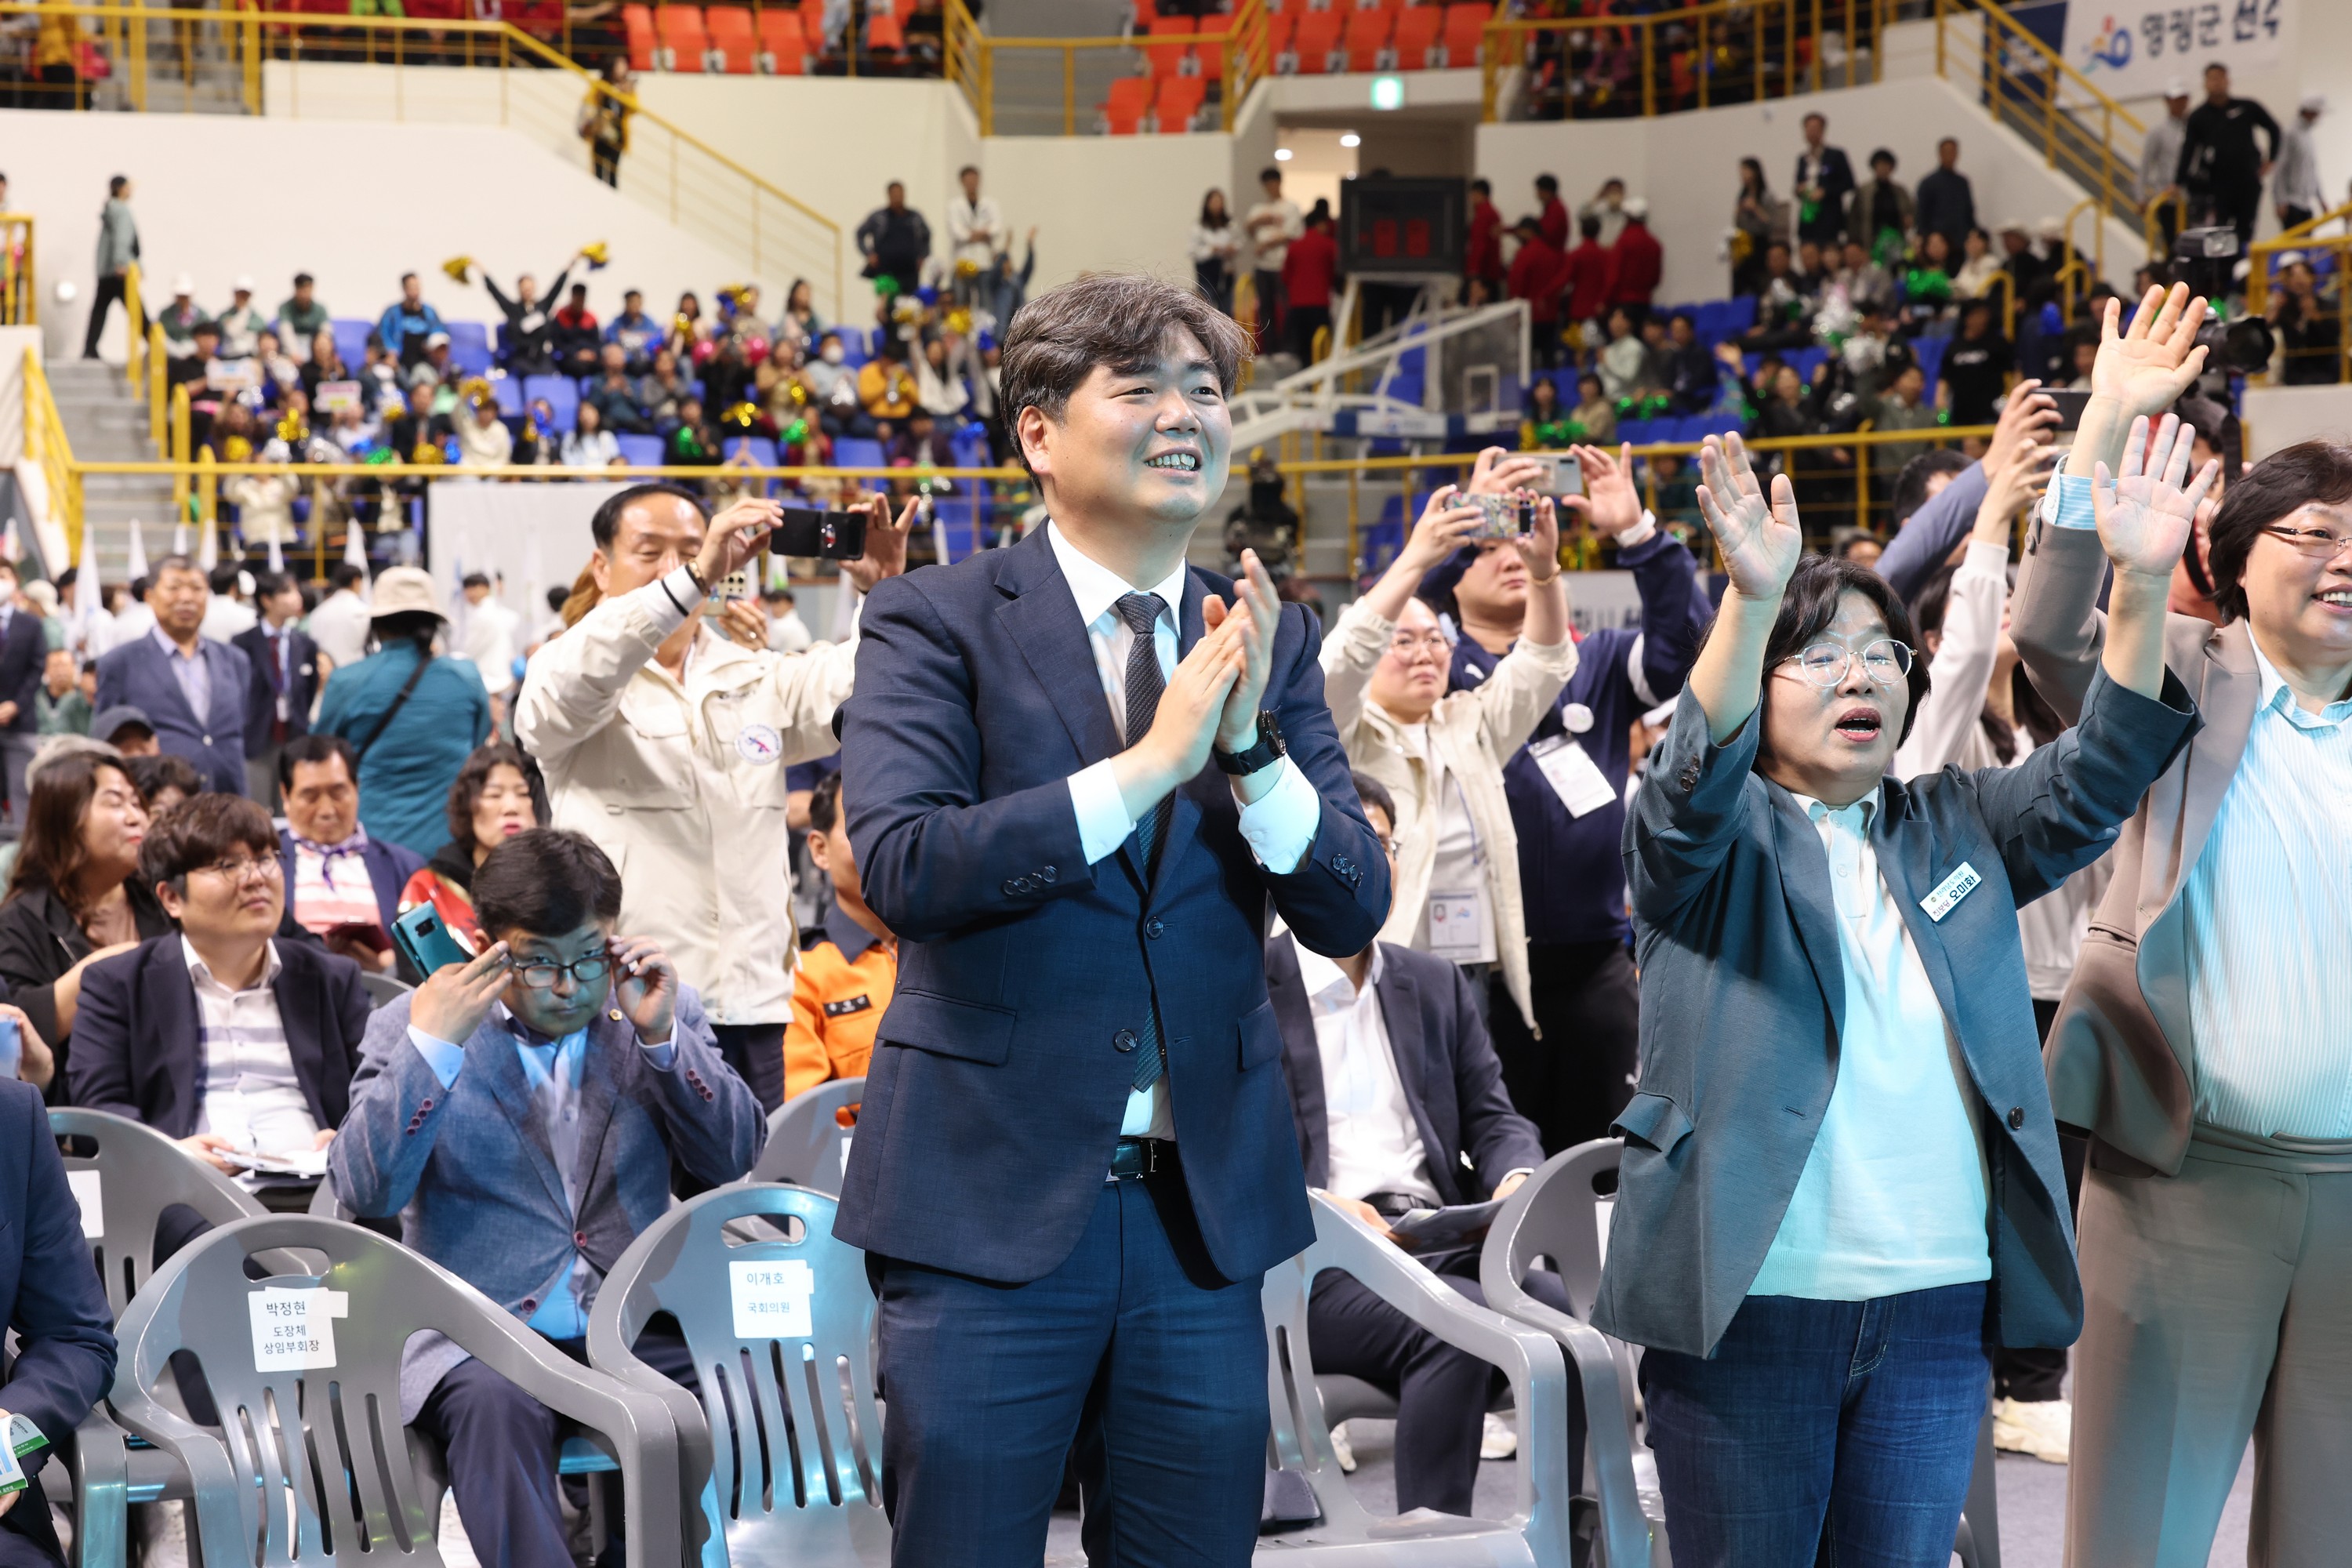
{"x":833,"y":353}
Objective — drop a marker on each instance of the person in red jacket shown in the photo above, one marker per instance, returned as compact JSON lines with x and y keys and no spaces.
{"x":1589,"y":273}
{"x":1639,"y":263}
{"x":1309,"y":272}
{"x":1483,"y":257}
{"x":1537,"y":273}
{"x":1554,"y":214}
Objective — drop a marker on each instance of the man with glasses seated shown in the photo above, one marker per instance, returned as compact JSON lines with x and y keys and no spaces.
{"x":521,"y":1112}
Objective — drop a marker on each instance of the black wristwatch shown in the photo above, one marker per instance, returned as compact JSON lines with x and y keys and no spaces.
{"x":1268,"y":750}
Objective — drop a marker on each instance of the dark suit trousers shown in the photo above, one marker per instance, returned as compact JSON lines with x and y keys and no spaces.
{"x":756,"y":1052}
{"x":500,"y":1448}
{"x":1442,"y":1393}
{"x":1588,"y":1002}
{"x":2035,"y":1375}
{"x":1133,"y":1348}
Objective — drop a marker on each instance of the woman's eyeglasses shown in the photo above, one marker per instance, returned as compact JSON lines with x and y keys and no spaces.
{"x":1825,"y":664}
{"x":2318,"y":543}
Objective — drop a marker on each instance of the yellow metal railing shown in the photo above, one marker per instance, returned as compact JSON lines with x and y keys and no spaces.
{"x":45,"y":446}
{"x":20,"y":301}
{"x":2080,"y":130}
{"x":540,"y":89}
{"x":1732,"y":51}
{"x":2304,"y":364}
{"x":1239,"y":42}
{"x":134,"y":327}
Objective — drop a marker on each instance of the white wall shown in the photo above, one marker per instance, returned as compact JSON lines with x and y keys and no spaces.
{"x":359,"y":205}
{"x":1687,"y":166}
{"x":2279,"y":416}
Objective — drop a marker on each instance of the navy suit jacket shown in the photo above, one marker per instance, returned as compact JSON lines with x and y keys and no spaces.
{"x":261,"y":697}
{"x":997,"y":1087}
{"x":1451,"y":1078}
{"x":22,"y":651}
{"x":49,"y":1294}
{"x":389,"y":867}
{"x":138,"y":1040}
{"x":136,"y":674}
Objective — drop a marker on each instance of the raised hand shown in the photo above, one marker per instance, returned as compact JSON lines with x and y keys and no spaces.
{"x":1254,"y":619}
{"x":2028,"y":412}
{"x":1446,"y":522}
{"x":644,"y":986}
{"x":2145,"y":514}
{"x":2147,"y":367}
{"x":885,"y":540}
{"x":1499,"y":473}
{"x":1760,"y":540}
{"x":1539,"y":546}
{"x":1610,"y":502}
{"x":454,"y":998}
{"x":735,"y":536}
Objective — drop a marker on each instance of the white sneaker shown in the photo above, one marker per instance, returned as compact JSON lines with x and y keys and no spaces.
{"x":2043,"y":1428}
{"x":1342,"y":1451}
{"x":1499,"y":1441}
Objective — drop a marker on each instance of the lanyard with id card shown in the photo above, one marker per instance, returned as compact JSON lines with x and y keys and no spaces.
{"x":1572,"y":773}
{"x":1455,"y":931}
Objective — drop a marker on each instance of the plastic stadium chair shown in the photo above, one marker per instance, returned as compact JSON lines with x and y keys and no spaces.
{"x":1368,"y":38}
{"x":814,"y":1500}
{"x":1465,"y":31}
{"x":731,"y":40}
{"x":383,"y":989}
{"x":1180,"y":100}
{"x":1123,"y":111}
{"x":509,"y":392}
{"x":764,"y":451}
{"x":812,"y":27}
{"x":637,"y":23}
{"x":640,"y":451}
{"x":1166,"y":59}
{"x":684,"y":43}
{"x":562,"y":395}
{"x":783,"y":44}
{"x":351,"y":341}
{"x":1417,"y":28}
{"x":1317,"y":43}
{"x":807,"y":1144}
{"x":352,"y":1492}
{"x":1537,"y":1534}
{"x":885,"y":38}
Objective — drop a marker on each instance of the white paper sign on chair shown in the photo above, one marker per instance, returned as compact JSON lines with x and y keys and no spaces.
{"x":294,"y":1330}
{"x":88,"y":1196}
{"x":772,"y":1299}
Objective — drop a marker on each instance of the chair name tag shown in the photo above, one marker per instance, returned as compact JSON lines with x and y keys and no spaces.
{"x":1950,"y":891}
{"x":294,"y":1331}
{"x":771,"y":1299}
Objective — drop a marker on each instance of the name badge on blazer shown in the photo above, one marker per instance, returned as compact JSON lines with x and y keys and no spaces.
{"x":845,"y":1007}
{"x":1950,"y":891}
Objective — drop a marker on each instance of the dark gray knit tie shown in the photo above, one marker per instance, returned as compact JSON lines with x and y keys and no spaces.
{"x":1144,"y":685}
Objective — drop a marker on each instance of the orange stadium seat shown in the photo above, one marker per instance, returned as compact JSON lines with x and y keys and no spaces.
{"x":637,"y":23}
{"x":1368,"y":36}
{"x":784,"y":47}
{"x":1180,"y":99}
{"x":1317,"y":38}
{"x":1417,"y":28}
{"x":683,"y":39}
{"x":731,"y":38}
{"x":1209,"y":59}
{"x":1280,"y":26}
{"x":884,"y":35}
{"x":1466,"y":29}
{"x":812,"y":27}
{"x":1123,"y":112}
{"x":1167,"y":58}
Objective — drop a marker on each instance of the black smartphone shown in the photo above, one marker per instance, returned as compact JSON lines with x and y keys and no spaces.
{"x":426,"y":941}
{"x":2070,"y":407}
{"x":829,"y":536}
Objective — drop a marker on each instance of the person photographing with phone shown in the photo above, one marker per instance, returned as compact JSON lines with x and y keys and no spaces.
{"x":667,"y":740}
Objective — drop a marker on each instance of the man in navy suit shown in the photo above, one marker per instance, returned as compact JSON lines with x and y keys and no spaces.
{"x":22,"y":649}
{"x":49,"y":1295}
{"x":192,"y":689}
{"x":1824,"y":184}
{"x":1074,"y":1159}
{"x":286,"y":680}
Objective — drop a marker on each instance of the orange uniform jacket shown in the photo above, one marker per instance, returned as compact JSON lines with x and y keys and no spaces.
{"x":838,"y":997}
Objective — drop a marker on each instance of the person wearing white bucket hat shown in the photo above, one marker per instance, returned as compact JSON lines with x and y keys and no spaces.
{"x":241,"y":325}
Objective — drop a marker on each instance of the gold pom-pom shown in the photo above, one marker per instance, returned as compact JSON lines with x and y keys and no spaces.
{"x":460,"y":268}
{"x":959,"y":322}
{"x":798,"y":393}
{"x":236,"y":449}
{"x":476,"y":390}
{"x":967,"y":268}
{"x":596,"y":255}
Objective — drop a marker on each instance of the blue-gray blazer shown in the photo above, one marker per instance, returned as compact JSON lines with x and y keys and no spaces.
{"x":1743,"y":996}
{"x":471,"y":1174}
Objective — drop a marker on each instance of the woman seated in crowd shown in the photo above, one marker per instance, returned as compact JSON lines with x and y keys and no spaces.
{"x":800,"y":323}
{"x":164,"y":781}
{"x":74,"y":896}
{"x":497,"y":794}
{"x":590,"y":445}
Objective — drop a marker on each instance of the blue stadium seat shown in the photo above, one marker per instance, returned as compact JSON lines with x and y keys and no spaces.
{"x":1642,"y":432}
{"x":640,"y":451}
{"x":509,"y":392}
{"x":852,"y":348}
{"x":1930,"y":352}
{"x":1808,"y":362}
{"x":855,"y":452}
{"x":1381,"y":544}
{"x":351,"y":341}
{"x":469,"y":347}
{"x":562,"y":397}
{"x":764,"y":451}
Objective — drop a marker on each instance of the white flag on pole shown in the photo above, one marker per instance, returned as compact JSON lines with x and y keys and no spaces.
{"x":277,"y":555}
{"x":209,"y":548}
{"x":136,"y":567}
{"x":355,"y":552}
{"x":180,"y":538}
{"x":88,"y":632}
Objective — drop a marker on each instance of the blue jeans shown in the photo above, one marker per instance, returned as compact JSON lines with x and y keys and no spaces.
{"x":1822,"y":1432}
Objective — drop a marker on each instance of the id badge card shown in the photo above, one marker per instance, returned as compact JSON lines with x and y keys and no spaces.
{"x":1573,"y":776}
{"x":1454,"y":926}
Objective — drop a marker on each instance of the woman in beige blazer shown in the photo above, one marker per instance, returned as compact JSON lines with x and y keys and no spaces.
{"x":1441,"y":756}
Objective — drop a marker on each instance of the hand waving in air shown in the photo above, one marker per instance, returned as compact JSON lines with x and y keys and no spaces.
{"x":1760,"y":540}
{"x":2145,"y":514}
{"x":2148,"y":365}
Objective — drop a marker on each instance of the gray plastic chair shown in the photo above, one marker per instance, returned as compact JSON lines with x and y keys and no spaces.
{"x":807,"y":1145}
{"x":313,"y":1466}
{"x":780,"y":1459}
{"x":1538,"y":1531}
{"x":381,"y":988}
{"x":1555,"y":1216}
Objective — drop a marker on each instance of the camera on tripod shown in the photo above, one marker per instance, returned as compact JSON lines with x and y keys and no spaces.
{"x":2206,"y":259}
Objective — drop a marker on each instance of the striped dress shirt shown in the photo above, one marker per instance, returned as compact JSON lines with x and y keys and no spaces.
{"x":2269,"y":906}
{"x":252,"y":1095}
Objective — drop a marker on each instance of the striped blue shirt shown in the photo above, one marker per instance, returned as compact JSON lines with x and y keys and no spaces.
{"x":2268,"y":905}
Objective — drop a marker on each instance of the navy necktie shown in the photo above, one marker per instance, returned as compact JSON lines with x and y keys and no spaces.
{"x":1144,"y":684}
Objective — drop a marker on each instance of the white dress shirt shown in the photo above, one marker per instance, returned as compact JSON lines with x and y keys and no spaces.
{"x":252,"y":1096}
{"x":1893,"y":1197}
{"x":976,"y":229}
{"x":1279,"y":826}
{"x":1375,"y":1145}
{"x":2267,"y":905}
{"x":339,"y":627}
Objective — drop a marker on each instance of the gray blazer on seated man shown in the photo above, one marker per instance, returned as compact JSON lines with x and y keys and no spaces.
{"x":522,"y":1113}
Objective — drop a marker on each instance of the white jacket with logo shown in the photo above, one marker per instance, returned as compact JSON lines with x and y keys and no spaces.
{"x":683,"y":785}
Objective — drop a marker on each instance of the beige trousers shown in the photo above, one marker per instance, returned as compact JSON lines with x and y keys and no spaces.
{"x":2217,"y":1306}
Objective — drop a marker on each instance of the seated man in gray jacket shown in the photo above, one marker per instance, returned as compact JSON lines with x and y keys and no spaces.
{"x":521,"y":1112}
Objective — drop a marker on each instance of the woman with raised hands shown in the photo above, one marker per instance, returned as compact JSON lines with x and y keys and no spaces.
{"x":1841,"y":1181}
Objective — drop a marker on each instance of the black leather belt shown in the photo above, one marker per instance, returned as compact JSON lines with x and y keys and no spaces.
{"x":1136,"y":1158}
{"x":1394,"y":1206}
